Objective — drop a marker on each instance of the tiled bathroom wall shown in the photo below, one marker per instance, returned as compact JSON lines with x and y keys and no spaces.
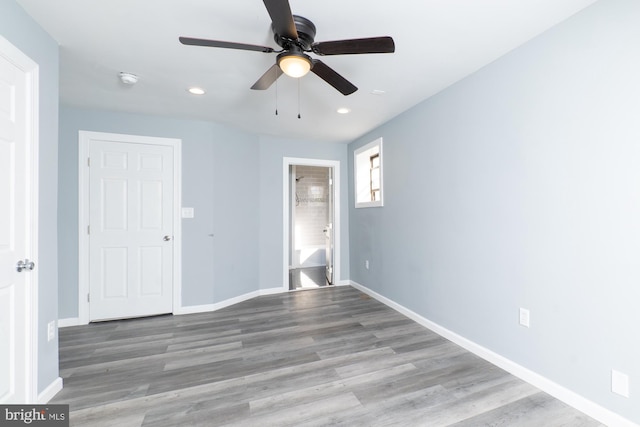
{"x":311,"y":211}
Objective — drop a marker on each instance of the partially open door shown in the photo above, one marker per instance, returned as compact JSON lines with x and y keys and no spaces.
{"x":18,"y":225}
{"x":328,"y":231}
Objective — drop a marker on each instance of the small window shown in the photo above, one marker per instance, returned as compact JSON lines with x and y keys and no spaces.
{"x":368,"y":174}
{"x":375,"y":177}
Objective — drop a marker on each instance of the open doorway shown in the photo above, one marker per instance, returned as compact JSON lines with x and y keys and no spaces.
{"x":311,"y":228}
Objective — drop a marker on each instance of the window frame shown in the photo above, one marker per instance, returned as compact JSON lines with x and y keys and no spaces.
{"x":364,"y":192}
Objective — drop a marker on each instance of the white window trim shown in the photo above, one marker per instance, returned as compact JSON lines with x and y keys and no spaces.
{"x":358,"y":151}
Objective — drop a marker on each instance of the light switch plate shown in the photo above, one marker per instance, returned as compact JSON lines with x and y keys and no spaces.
{"x":524,"y":317}
{"x":188,"y":213}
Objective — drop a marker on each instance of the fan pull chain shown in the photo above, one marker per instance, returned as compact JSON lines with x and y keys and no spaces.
{"x":299,"y":117}
{"x":276,"y":97}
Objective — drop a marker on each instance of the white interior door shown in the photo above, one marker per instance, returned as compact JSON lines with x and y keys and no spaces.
{"x":131,"y":211}
{"x":16,"y":220}
{"x":328,"y":231}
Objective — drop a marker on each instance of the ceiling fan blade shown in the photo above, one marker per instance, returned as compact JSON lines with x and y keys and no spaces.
{"x":281,"y":18}
{"x":268,"y":78}
{"x":227,"y":45}
{"x":355,"y":46}
{"x":327,"y":74}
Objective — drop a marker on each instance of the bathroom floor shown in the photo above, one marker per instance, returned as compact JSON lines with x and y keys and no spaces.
{"x":309,"y":277}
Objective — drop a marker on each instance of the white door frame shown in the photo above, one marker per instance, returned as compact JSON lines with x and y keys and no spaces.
{"x":84,"y":140}
{"x":333,"y":164}
{"x":32,"y":72}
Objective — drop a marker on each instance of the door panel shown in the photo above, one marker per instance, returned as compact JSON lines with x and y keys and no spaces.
{"x":329,"y":233}
{"x":150,"y":276}
{"x":7,"y":357}
{"x":114,"y":204}
{"x":15,"y":220}
{"x":115,"y":280}
{"x":131,"y":229}
{"x":151,"y":193}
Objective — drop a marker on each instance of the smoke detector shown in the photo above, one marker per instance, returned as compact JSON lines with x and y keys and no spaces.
{"x":128,"y":78}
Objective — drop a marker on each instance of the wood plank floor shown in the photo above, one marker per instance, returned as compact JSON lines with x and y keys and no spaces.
{"x":331,"y":356}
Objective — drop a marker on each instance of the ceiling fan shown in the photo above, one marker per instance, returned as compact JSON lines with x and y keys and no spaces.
{"x":295,"y":35}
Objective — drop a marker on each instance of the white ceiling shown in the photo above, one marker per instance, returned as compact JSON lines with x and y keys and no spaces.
{"x":438,"y":42}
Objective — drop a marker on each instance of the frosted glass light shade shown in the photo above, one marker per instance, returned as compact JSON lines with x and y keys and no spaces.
{"x":295,"y":65}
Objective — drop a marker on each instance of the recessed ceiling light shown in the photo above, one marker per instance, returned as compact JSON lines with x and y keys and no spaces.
{"x":196,"y":91}
{"x":343,"y":110}
{"x":378,"y":92}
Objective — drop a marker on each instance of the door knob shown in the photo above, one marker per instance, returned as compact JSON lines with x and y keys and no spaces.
{"x":25,"y":265}
{"x":166,"y":238}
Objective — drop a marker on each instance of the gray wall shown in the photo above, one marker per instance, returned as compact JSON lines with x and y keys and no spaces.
{"x":17,"y":27}
{"x":219,"y":180}
{"x":520,"y":187}
{"x":232,"y":179}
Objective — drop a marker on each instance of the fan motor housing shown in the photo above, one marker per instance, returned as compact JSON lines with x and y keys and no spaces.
{"x":306,"y":34}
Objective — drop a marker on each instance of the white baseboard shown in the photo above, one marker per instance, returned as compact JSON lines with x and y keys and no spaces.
{"x":192,"y":309}
{"x":561,"y":393}
{"x":72,"y":321}
{"x":272,"y":291}
{"x":51,"y":390}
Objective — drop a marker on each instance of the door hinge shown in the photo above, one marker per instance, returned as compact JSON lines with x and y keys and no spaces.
{"x":89,"y":161}
{"x":88,"y":229}
{"x":88,"y":297}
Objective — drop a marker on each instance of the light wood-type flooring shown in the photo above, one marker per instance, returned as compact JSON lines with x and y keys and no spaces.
{"x":323,"y":357}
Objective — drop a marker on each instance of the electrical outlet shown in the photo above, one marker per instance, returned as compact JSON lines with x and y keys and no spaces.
{"x":619,"y":383}
{"x":51,"y":330}
{"x":524,"y":317}
{"x":366,"y":264}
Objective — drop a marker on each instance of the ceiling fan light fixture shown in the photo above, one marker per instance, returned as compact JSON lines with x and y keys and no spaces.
{"x":294,"y":64}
